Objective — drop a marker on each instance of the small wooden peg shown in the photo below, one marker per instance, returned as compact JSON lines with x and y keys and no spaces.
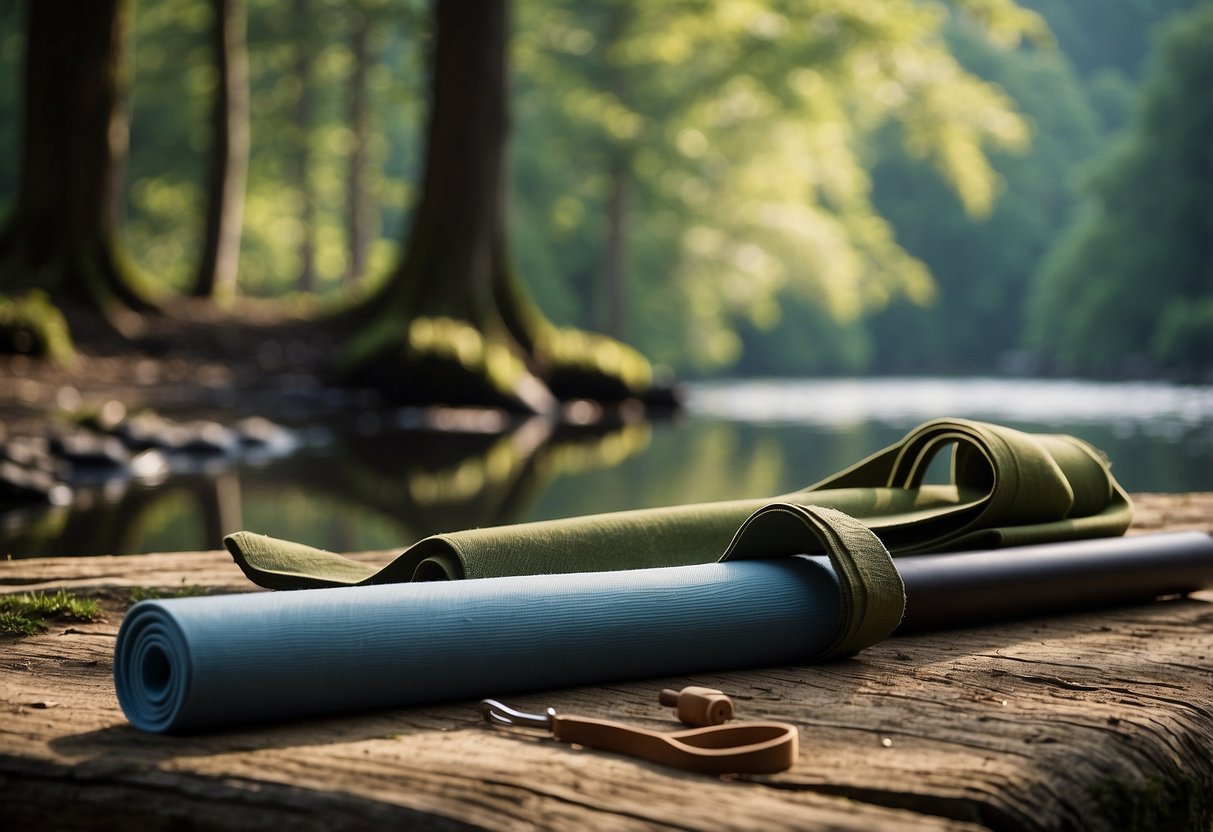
{"x":698,"y":706}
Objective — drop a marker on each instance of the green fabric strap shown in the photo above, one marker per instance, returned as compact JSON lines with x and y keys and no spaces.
{"x":872,"y":593}
{"x":1006,"y":488}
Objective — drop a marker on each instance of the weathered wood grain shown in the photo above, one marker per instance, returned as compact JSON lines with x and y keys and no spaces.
{"x":1075,"y":722}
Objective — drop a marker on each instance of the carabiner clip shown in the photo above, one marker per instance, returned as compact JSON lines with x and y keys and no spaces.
{"x":500,"y":714}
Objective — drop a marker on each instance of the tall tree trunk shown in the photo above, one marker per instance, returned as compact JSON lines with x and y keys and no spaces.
{"x":614,"y":290}
{"x":453,"y":322}
{"x":120,"y":132}
{"x":61,"y":236}
{"x":229,"y":154}
{"x":458,"y":227}
{"x":306,"y":282}
{"x":360,"y":209}
{"x":615,"y":282}
{"x":455,"y":251}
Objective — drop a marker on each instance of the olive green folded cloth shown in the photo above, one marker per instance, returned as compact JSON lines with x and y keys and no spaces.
{"x":1006,"y":488}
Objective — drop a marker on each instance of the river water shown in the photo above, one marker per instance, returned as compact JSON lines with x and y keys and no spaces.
{"x":382,"y":480}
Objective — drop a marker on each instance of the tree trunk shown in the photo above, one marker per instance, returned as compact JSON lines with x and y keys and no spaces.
{"x":616,"y":248}
{"x":454,"y":323}
{"x":306,"y":281}
{"x":358,"y":194}
{"x":61,"y":235}
{"x":450,"y":256}
{"x":120,"y":132}
{"x":435,"y":332}
{"x":229,"y":154}
{"x":613,"y":294}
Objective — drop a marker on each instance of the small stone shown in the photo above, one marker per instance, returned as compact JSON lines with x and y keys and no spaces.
{"x":31,"y":485}
{"x":209,"y":438}
{"x":147,"y":430}
{"x":68,"y":398}
{"x":28,"y":452}
{"x":88,"y":450}
{"x":111,"y":414}
{"x":259,"y":432}
{"x":149,"y":465}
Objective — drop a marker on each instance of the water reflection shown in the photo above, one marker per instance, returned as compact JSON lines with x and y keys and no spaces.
{"x":381,"y":482}
{"x":909,"y":401}
{"x":431,"y":481}
{"x":367,"y":487}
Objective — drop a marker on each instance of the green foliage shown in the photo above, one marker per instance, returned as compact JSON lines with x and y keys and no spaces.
{"x":1128,"y":287}
{"x":171,"y":89}
{"x":32,"y":325}
{"x":744,"y":130}
{"x":822,"y":186}
{"x":1184,"y":337}
{"x":15,"y":624}
{"x":807,"y":341}
{"x":584,"y":364}
{"x":982,"y":269}
{"x":1096,"y":35}
{"x":171,"y":84}
{"x":27,"y":613}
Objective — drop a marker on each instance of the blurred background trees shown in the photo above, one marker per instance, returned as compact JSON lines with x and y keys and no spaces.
{"x":62,"y":234}
{"x":731,"y":186}
{"x":229,"y":148}
{"x":1145,"y":228}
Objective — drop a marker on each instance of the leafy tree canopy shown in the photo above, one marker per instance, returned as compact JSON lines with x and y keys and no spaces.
{"x":1130,"y":285}
{"x":747,"y":128}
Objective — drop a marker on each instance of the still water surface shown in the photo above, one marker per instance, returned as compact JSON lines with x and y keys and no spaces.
{"x":371,"y":484}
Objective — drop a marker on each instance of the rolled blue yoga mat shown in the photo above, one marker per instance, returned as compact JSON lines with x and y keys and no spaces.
{"x":190,"y":664}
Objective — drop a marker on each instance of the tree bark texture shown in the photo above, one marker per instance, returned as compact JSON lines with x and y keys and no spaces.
{"x":456,"y":242}
{"x":359,"y":209}
{"x":229,"y":156}
{"x":616,"y":248}
{"x":306,"y":282}
{"x":457,"y":264}
{"x":61,"y":236}
{"x":119,"y":131}
{"x":613,"y":294}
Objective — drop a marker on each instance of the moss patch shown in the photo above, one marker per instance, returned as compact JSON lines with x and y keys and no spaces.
{"x":31,"y":612}
{"x":436,"y":360}
{"x":32,"y":325}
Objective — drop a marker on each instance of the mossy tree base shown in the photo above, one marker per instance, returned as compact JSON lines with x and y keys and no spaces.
{"x":442,"y":361}
{"x":31,"y":325}
{"x":62,"y":235}
{"x":34,"y":282}
{"x":453,"y":324}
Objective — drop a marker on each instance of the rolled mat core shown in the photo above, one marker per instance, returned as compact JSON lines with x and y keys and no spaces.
{"x":190,"y":664}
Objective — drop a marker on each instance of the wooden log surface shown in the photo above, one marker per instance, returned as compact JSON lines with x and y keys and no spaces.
{"x":1089,"y":721}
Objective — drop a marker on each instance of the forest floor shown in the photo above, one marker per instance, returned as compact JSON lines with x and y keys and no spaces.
{"x":190,"y":357}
